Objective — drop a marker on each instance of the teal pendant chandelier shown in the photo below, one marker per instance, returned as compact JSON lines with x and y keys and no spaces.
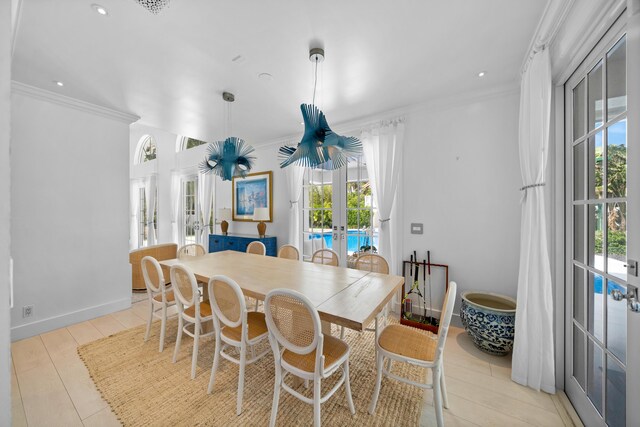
{"x":320,"y":147}
{"x":229,"y":158}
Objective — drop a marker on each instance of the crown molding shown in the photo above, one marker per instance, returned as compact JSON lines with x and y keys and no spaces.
{"x":355,"y":126}
{"x":553,"y":17}
{"x":66,"y":101}
{"x":574,"y":42}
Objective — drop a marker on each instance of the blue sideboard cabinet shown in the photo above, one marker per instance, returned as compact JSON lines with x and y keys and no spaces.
{"x":239,"y":242}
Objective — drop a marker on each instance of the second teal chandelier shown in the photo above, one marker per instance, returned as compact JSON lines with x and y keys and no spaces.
{"x":320,"y":147}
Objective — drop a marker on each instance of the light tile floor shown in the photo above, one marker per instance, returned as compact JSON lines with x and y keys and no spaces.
{"x":51,"y":386}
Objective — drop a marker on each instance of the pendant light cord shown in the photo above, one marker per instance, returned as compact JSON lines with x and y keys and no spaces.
{"x":315,"y":82}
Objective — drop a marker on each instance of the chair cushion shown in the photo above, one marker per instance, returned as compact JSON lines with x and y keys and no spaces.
{"x":205,"y":310}
{"x":332,"y":350}
{"x":256,"y":326}
{"x":169,"y":294}
{"x":409,"y":342}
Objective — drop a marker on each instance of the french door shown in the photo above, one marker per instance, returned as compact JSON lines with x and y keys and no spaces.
{"x":189,"y":215}
{"x":603,"y":228}
{"x":338,"y":212}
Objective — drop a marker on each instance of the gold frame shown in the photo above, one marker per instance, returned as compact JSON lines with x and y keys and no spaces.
{"x":269,"y":176}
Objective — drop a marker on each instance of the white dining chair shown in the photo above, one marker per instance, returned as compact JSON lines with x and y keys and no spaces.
{"x":377,"y":264}
{"x":159,"y":297}
{"x":191,"y":250}
{"x":190,"y":310}
{"x":325,"y":256}
{"x":289,"y":252}
{"x":301,"y":349}
{"x":257,"y":248}
{"x":402,"y":343}
{"x":234,"y":327}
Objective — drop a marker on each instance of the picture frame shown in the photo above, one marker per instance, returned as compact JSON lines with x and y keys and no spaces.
{"x":253,"y":191}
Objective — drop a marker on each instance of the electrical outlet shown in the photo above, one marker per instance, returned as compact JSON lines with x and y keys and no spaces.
{"x":27,"y":311}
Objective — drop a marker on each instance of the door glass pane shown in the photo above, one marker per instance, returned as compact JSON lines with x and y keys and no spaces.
{"x":595,"y":250}
{"x":594,"y":374}
{"x":594,"y":165}
{"x":617,"y":159}
{"x":578,"y":233}
{"x":617,"y":79}
{"x":617,"y":322}
{"x":578,"y":171}
{"x":617,"y":239}
{"x":616,"y":394}
{"x":578,"y":110}
{"x":595,"y":319}
{"x":579,"y":371}
{"x":595,"y":97}
{"x":579,"y":293}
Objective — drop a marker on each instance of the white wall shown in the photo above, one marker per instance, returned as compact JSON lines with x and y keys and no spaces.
{"x":5,"y":80}
{"x":69,"y":191}
{"x":461,"y":176}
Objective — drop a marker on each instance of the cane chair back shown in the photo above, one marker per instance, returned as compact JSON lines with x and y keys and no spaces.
{"x":257,"y":248}
{"x":325,"y":256}
{"x":289,"y":252}
{"x":184,"y":284}
{"x":191,"y":250}
{"x":445,"y":318}
{"x":292,"y":320}
{"x":372,"y":262}
{"x":227,"y":301}
{"x":152,"y":273}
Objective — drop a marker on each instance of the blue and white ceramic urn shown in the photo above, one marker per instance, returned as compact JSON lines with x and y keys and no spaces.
{"x":490,"y":321}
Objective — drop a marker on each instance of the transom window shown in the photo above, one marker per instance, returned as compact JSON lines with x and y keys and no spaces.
{"x":146,"y":150}
{"x":188,"y":143}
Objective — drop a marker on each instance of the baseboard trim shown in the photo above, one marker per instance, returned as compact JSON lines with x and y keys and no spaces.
{"x":56,"y":322}
{"x":566,"y":410}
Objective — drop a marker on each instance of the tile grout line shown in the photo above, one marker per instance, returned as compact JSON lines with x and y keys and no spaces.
{"x":15,"y":373}
{"x":58,"y":373}
{"x":503,"y":413}
{"x":500,"y":392}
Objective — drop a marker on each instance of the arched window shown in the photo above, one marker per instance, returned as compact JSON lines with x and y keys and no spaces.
{"x":187,"y":143}
{"x":146,"y":150}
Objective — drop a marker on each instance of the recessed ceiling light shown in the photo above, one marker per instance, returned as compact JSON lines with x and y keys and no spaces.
{"x":482,"y":73}
{"x":100,"y":9}
{"x":265,"y":76}
{"x":58,"y":83}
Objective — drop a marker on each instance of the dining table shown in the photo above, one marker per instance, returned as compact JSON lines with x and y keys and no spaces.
{"x":343,"y":296}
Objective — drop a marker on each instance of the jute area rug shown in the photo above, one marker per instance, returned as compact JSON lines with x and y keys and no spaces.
{"x":144,"y":388}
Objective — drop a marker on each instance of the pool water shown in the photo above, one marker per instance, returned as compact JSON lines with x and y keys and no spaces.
{"x":597,"y":285}
{"x":355,"y":239}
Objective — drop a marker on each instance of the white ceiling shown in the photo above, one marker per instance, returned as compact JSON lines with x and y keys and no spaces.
{"x":171,"y":69}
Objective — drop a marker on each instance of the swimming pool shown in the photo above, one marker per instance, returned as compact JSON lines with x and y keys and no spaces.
{"x":355,"y":239}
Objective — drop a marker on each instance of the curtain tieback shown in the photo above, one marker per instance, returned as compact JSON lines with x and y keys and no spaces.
{"x":384,"y":220}
{"x":526,"y":187}
{"x":292,"y":202}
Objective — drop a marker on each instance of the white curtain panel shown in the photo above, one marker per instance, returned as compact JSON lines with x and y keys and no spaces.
{"x":134,"y":204}
{"x":151,"y":189}
{"x":295,"y":177}
{"x":175,"y":207}
{"x":205,"y":197}
{"x":533,"y":352}
{"x":383,"y":152}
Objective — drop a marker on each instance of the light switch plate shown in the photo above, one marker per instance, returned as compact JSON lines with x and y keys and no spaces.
{"x":416,"y":228}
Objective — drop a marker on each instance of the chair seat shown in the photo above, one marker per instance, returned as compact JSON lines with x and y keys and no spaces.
{"x":169,"y":295}
{"x":256,"y":326}
{"x":409,"y":342}
{"x":332,"y":350}
{"x":205,"y":310}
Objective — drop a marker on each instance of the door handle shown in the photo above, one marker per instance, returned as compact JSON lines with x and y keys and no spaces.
{"x":631,"y":296}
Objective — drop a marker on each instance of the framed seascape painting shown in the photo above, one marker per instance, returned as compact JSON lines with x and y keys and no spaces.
{"x":253,"y":191}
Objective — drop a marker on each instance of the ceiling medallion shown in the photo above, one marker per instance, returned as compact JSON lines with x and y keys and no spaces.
{"x":320,"y":147}
{"x":153,"y":6}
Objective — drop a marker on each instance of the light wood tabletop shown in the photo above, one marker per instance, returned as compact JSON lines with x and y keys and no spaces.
{"x":344,"y":296}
